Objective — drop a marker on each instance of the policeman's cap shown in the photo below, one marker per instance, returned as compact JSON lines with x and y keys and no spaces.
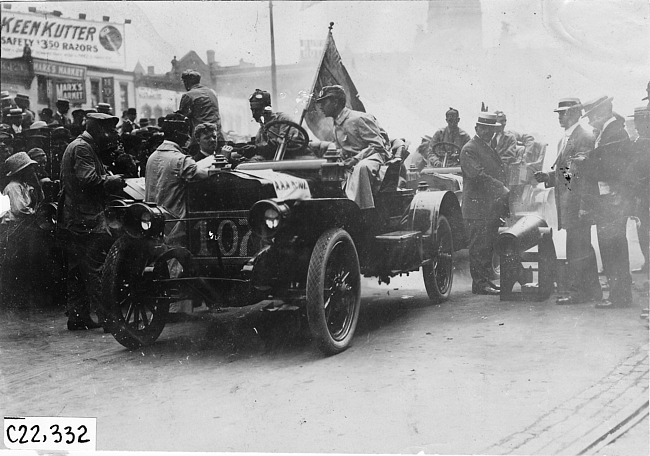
{"x":333,"y":91}
{"x":260,"y":99}
{"x":103,"y":118}
{"x":568,"y":103}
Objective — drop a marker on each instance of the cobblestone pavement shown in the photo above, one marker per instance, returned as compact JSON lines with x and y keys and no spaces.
{"x":472,"y":376}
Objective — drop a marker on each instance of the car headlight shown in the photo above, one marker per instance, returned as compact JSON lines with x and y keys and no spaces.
{"x":266,"y":217}
{"x":143,"y":219}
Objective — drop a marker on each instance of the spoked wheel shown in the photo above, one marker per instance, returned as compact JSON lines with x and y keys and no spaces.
{"x":451,"y":153}
{"x":333,"y":291}
{"x":294,"y":137}
{"x":136,"y":309}
{"x":439,"y":274}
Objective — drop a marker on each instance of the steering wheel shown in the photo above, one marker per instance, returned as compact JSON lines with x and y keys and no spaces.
{"x":449,"y":156}
{"x":294,"y":137}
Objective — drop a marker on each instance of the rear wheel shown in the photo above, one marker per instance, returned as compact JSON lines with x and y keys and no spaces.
{"x":439,"y":274}
{"x":333,"y":291}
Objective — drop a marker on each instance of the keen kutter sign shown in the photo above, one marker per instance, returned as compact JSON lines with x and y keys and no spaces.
{"x":63,"y":40}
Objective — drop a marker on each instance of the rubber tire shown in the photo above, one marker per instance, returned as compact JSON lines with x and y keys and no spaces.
{"x":438,"y":292}
{"x":327,"y":244}
{"x":125,"y":263}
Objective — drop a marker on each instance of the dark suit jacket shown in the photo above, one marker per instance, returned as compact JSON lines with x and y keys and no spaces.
{"x":83,"y":177}
{"x":568,"y":180}
{"x":610,"y":166}
{"x":484,"y":178}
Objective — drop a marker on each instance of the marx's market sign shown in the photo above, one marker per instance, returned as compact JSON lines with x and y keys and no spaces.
{"x":63,"y":40}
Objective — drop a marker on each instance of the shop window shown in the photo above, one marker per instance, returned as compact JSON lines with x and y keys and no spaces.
{"x":43,"y":92}
{"x":124,"y":96}
{"x":95,"y":92}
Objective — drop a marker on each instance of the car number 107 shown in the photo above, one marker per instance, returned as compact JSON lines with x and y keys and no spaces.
{"x":231,"y":237}
{"x":50,"y":433}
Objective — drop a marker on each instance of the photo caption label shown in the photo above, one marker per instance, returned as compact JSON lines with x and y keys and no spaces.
{"x":50,"y":433}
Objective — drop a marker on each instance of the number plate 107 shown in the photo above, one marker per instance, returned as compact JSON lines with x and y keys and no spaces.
{"x":50,"y":433}
{"x":223,"y":238}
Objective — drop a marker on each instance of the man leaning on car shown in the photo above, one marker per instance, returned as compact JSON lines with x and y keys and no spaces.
{"x":169,"y":170}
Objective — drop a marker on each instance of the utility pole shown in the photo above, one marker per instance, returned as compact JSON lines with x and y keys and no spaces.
{"x":274,"y":82}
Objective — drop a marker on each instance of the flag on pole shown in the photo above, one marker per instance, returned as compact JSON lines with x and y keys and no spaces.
{"x":330,"y":72}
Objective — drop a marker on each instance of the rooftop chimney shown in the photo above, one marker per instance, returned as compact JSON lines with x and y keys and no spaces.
{"x":210,"y":56}
{"x":82,"y":15}
{"x":150,"y":70}
{"x":56,"y":13}
{"x":106,"y":18}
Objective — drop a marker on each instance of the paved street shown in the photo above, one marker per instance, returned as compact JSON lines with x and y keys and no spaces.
{"x":471,"y":376}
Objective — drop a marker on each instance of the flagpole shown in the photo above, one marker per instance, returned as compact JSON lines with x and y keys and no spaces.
{"x":274,"y":83}
{"x":320,"y":63}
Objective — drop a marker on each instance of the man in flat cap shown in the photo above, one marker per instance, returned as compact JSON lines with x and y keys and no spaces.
{"x":609,"y":166}
{"x":62,"y":109}
{"x":364,"y":144}
{"x":199,"y":105}
{"x":485,"y":201}
{"x":570,"y":186}
{"x":86,"y":187}
{"x":260,"y":104}
{"x":445,"y":155}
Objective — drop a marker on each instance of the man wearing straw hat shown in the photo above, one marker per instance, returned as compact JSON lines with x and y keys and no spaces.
{"x":485,"y":201}
{"x":570,"y":185}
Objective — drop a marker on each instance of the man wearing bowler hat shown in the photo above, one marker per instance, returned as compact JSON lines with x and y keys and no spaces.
{"x":608,"y":167}
{"x":485,"y":201}
{"x":363,"y":142}
{"x":570,"y":186}
{"x":199,"y":105}
{"x":86,"y":186}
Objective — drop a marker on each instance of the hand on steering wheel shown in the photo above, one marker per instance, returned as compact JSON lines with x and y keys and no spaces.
{"x":294,"y":136}
{"x":453,"y":156}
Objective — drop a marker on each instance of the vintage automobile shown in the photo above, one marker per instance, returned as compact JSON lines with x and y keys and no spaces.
{"x":280,"y":231}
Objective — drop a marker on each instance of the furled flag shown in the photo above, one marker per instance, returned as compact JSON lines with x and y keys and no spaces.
{"x":330,"y":72}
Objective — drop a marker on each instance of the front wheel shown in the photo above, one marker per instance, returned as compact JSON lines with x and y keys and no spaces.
{"x":333,"y":291}
{"x":439,"y":273}
{"x":136,"y":312}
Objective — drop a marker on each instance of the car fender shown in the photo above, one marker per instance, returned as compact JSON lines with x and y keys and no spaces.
{"x":426,"y":207}
{"x":311,"y":217}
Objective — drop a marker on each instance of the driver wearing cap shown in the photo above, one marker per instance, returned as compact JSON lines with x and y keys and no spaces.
{"x":363,"y":142}
{"x":263,"y":148}
{"x":445,"y":155}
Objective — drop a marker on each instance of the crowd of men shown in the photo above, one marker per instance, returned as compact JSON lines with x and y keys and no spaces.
{"x":600,"y":177}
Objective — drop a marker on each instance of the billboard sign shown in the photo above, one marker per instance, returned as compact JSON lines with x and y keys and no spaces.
{"x":63,"y":40}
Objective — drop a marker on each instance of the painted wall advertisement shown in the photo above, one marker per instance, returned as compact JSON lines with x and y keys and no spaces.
{"x":63,"y":40}
{"x":73,"y":91}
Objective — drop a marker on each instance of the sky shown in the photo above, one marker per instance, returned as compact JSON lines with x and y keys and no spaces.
{"x":553,"y":49}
